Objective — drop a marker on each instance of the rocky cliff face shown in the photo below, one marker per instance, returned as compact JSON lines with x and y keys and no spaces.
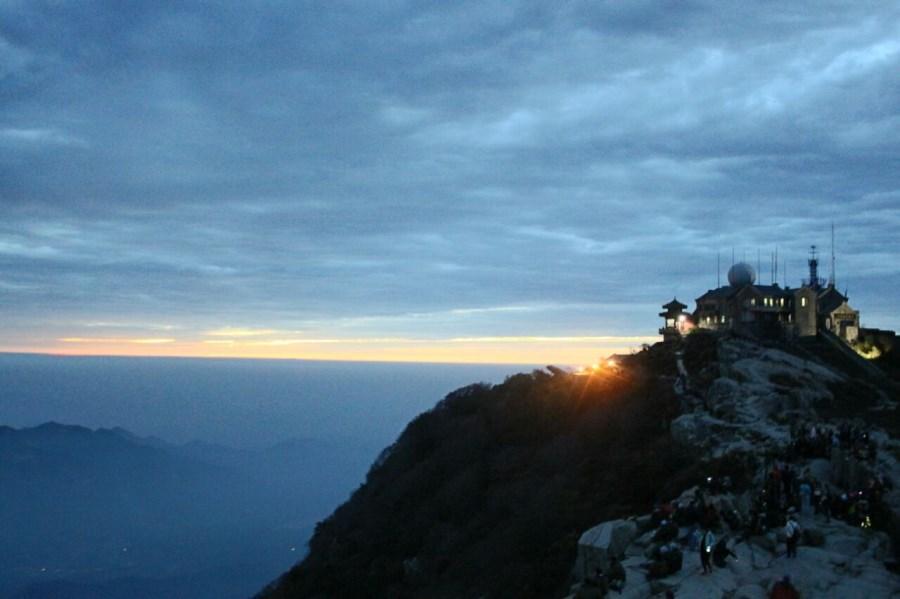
{"x":834,"y":475}
{"x":498,"y":491}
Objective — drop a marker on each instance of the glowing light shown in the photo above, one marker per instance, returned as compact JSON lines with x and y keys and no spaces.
{"x":538,"y":339}
{"x":611,"y":363}
{"x":521,"y":350}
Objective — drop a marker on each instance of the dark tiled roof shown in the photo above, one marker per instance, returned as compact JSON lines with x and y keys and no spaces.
{"x":829,"y":299}
{"x":774,"y":290}
{"x":674,"y":304}
{"x":728,"y":291}
{"x":722,"y":292}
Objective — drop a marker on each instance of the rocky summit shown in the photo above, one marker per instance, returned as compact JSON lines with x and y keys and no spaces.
{"x":834,"y":476}
{"x":714,"y":466}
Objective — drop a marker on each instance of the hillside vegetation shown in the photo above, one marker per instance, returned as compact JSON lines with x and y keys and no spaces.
{"x":486,"y":494}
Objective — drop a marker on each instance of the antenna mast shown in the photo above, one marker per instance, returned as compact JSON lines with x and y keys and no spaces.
{"x":718,"y":269}
{"x":775,"y":274}
{"x":833,"y":282}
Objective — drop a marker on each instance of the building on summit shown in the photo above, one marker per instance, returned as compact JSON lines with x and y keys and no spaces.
{"x":767,"y":310}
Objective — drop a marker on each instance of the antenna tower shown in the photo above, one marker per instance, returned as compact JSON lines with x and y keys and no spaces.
{"x":776,"y":266}
{"x":833,"y":281}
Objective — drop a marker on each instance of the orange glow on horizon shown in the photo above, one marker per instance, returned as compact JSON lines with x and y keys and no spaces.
{"x":474,"y":350}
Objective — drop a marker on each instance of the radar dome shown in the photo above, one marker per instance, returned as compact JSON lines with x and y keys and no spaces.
{"x":741,"y":274}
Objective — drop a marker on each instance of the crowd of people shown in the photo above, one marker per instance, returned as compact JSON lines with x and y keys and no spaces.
{"x":853,"y":453}
{"x":817,"y":440}
{"x":703,"y":517}
{"x":787,"y":494}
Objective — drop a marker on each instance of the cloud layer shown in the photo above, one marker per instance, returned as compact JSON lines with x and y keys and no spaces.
{"x":491,"y":169}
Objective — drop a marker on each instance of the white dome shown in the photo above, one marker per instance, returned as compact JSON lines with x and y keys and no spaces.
{"x":741,"y":274}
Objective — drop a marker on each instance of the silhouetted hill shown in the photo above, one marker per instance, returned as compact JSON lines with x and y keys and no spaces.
{"x":87,"y":513}
{"x":486,"y":494}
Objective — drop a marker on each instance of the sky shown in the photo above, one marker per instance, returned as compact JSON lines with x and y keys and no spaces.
{"x":494,"y":181}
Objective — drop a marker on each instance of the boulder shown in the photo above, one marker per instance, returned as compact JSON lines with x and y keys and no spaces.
{"x":820,"y":469}
{"x":597,"y":545}
{"x":722,"y":397}
{"x":644,"y":523}
{"x":689,"y":429}
{"x":879,"y":546}
{"x":767,"y":542}
{"x":813,"y":537}
{"x":750,"y":591}
{"x":658,"y":588}
{"x":846,"y":543}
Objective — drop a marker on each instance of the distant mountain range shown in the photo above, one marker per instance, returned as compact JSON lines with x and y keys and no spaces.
{"x":103,"y":513}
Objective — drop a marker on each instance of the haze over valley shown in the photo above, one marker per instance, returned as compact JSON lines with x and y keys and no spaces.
{"x":204,"y":478}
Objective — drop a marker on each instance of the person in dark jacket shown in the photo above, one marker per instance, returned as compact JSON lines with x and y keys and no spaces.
{"x":721,"y":553}
{"x":707,"y":542}
{"x":792,"y":536}
{"x":666,"y":532}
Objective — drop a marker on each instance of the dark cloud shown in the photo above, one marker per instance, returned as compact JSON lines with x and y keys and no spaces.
{"x":289,"y":165}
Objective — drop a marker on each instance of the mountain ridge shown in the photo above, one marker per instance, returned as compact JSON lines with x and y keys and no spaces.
{"x":487,"y":493}
{"x":87,"y":512}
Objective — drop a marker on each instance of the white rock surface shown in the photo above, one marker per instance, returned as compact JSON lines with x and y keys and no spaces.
{"x":597,"y":545}
{"x":747,"y":410}
{"x":844,"y":568}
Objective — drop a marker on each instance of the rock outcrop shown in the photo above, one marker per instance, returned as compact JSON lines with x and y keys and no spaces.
{"x":753,"y":409}
{"x":605,"y":541}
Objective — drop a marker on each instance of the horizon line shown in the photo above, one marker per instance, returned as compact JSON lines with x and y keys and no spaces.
{"x":52,"y":354}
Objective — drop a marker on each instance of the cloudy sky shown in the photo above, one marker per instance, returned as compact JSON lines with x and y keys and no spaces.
{"x":501,"y":181}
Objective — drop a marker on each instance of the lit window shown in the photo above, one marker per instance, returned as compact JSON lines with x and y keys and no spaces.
{"x":723,"y":318}
{"x":803,"y":302}
{"x":752,"y":301}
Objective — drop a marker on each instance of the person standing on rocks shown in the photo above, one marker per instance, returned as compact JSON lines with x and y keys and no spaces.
{"x":721,"y":553}
{"x":792,"y":536}
{"x":707,"y":541}
{"x":805,"y":498}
